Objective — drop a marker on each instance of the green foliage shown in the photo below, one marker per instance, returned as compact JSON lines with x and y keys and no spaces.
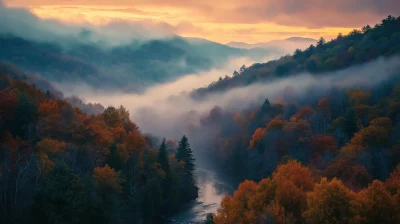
{"x":162,"y":157}
{"x":60,"y":198}
{"x":184,"y":153}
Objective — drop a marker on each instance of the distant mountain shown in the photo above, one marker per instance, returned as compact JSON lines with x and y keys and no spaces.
{"x":128,"y":67}
{"x":288,"y":45}
{"x":123,"y":56}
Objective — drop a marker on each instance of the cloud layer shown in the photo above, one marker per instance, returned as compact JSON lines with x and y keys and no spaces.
{"x":165,"y":110}
{"x":234,"y":20}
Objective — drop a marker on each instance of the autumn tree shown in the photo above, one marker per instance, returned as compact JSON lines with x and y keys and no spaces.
{"x":329,"y":202}
{"x":375,"y":205}
{"x":293,"y":181}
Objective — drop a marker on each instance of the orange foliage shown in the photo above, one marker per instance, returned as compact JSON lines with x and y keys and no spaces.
{"x":49,"y":108}
{"x":293,"y":181}
{"x":275,"y":124}
{"x":329,"y":202}
{"x":323,"y":143}
{"x":107,"y":178}
{"x":135,"y":142}
{"x":323,"y":105}
{"x":235,"y":210}
{"x":358,"y":96}
{"x":258,"y":135}
{"x":375,"y":205}
{"x":393,"y":182}
{"x":305,"y":113}
{"x":50,"y":146}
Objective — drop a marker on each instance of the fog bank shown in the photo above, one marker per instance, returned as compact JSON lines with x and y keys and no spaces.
{"x":165,"y":110}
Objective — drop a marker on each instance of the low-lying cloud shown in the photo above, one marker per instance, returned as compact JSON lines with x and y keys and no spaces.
{"x":163,"y":110}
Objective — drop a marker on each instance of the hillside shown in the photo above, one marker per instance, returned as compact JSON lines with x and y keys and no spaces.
{"x":358,"y":47}
{"x":61,"y":165}
{"x":128,"y":67}
{"x":286,"y":45}
{"x":326,"y":152}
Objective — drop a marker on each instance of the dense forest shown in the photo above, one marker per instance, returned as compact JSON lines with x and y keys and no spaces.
{"x":312,"y":155}
{"x":61,"y":165}
{"x":344,"y":51}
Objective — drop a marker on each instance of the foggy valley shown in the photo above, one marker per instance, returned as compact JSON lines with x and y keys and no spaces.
{"x":168,"y":112}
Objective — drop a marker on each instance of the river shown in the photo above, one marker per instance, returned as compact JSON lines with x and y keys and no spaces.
{"x":211,"y":191}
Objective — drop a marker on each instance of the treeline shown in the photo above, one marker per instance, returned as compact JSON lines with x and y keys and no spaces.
{"x":357,"y":47}
{"x":61,"y":165}
{"x":296,"y":194}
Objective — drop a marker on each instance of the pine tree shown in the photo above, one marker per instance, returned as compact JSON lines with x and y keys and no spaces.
{"x":185,"y":154}
{"x":163,"y":157}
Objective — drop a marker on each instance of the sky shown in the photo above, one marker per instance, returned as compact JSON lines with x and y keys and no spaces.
{"x":249,"y":21}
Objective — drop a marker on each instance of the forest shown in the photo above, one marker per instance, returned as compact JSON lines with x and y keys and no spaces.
{"x":325,"y":154}
{"x":357,"y":47}
{"x":61,"y":165}
{"x":312,"y":155}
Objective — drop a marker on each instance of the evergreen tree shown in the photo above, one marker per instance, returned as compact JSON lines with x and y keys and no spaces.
{"x":114,"y":159}
{"x":163,"y":157}
{"x":185,"y":154}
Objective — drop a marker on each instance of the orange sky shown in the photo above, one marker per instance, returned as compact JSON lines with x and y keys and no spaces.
{"x":223,"y":20}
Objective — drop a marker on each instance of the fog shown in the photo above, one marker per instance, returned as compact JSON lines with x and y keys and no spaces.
{"x":165,"y":110}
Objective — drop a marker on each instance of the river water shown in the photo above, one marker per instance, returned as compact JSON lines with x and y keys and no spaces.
{"x":211,"y":191}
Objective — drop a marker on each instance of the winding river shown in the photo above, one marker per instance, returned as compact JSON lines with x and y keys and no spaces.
{"x":212,"y":191}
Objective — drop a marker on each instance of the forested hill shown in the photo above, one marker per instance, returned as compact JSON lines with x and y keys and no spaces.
{"x":357,"y":47}
{"x":128,"y":67}
{"x":61,"y":165}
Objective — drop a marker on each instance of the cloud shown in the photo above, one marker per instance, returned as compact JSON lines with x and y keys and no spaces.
{"x":23,"y":23}
{"x":165,"y":110}
{"x":308,"y":13}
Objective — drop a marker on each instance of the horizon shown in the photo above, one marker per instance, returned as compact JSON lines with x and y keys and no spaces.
{"x":233,"y":22}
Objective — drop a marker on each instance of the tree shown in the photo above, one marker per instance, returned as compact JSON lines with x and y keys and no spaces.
{"x":293,"y":181}
{"x":59,"y":198}
{"x":242,"y":69}
{"x":107,"y":178}
{"x":162,"y":157}
{"x":185,"y":154}
{"x":321,"y":42}
{"x":329,"y":202}
{"x":375,"y":205}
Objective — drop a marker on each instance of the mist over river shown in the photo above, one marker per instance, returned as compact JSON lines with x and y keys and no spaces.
{"x":212,"y":191}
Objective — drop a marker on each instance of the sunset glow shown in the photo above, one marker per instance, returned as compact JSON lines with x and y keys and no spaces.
{"x":256,"y":21}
